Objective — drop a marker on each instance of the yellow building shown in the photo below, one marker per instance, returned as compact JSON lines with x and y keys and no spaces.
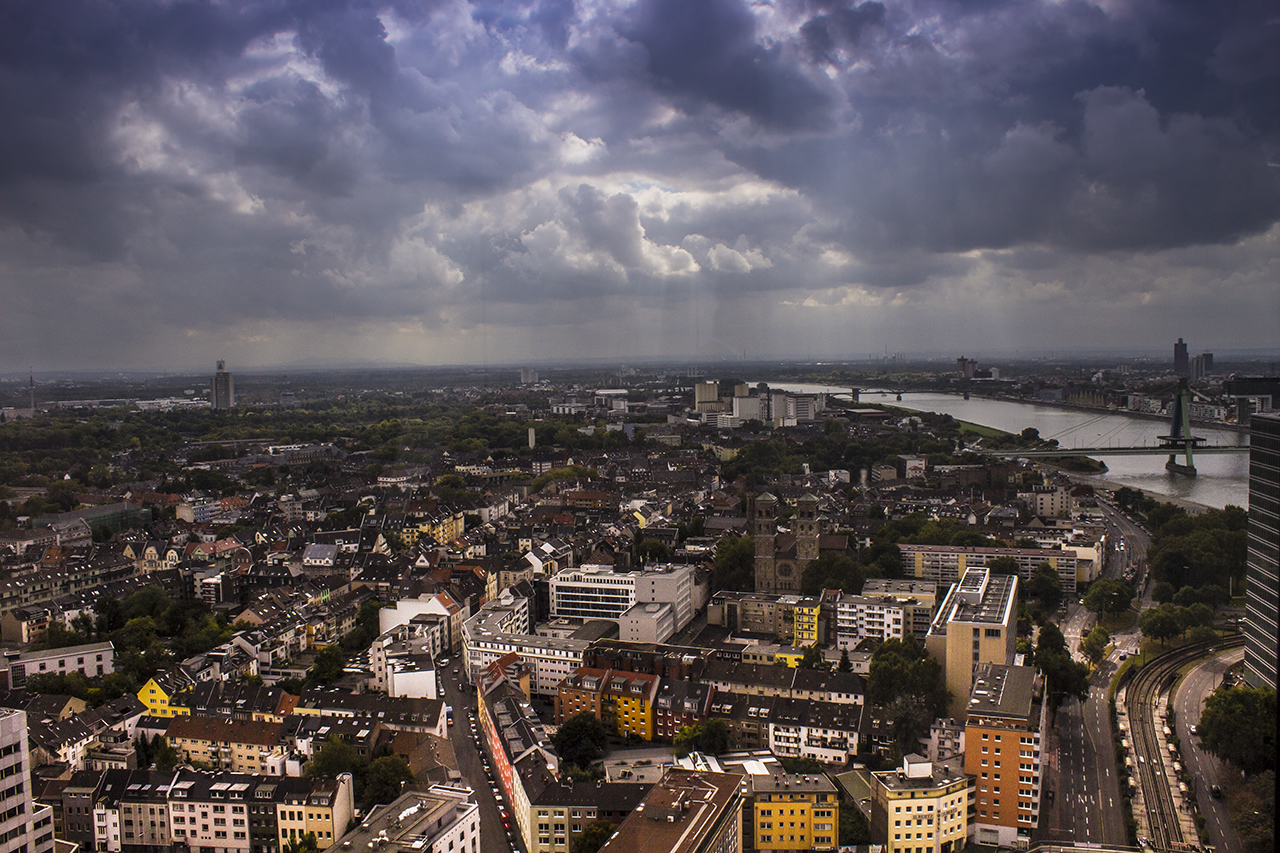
{"x":806,"y":615}
{"x":324,"y":808}
{"x":921,"y":807}
{"x":160,"y":694}
{"x":629,"y":698}
{"x":790,"y":655}
{"x":794,"y":812}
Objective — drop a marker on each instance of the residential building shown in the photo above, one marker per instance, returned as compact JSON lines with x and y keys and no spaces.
{"x":160,"y":693}
{"x":623,"y":700}
{"x":883,"y":615}
{"x":687,"y":812}
{"x":794,"y":812}
{"x":505,"y":626}
{"x":976,"y":623}
{"x":599,"y":592}
{"x":1002,"y":752}
{"x":93,"y":660}
{"x":946,"y":564}
{"x":242,"y":746}
{"x":138,"y":811}
{"x":441,"y":819}
{"x":825,"y":731}
{"x":565,"y":808}
{"x":923,"y":807}
{"x":24,"y":825}
{"x":1262,"y":586}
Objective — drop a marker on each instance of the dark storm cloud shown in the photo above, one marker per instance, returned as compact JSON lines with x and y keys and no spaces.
{"x":708,"y":53}
{"x":204,"y":165}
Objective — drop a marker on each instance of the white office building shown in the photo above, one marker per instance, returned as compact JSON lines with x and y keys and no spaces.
{"x":24,"y":824}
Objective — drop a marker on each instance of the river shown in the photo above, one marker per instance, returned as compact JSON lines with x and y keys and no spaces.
{"x":1222,"y":478}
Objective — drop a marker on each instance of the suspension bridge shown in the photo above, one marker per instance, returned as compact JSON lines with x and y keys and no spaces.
{"x":1179,"y":442}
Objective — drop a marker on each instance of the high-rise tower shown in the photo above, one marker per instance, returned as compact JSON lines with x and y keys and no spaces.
{"x":1262,"y":578}
{"x":1181,"y":364}
{"x":224,"y":388}
{"x":24,"y":824}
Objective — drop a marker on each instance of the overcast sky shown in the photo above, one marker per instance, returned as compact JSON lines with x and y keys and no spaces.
{"x":435,"y":181}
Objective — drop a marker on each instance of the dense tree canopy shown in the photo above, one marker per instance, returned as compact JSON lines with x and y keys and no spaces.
{"x":710,"y":736}
{"x":1238,"y":724}
{"x":908,"y":684}
{"x":581,"y":739}
{"x":734,"y":567}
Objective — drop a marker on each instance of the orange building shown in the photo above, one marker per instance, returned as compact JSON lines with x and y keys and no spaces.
{"x":1002,"y":751}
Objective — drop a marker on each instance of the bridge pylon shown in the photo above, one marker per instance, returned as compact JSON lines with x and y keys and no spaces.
{"x":1180,"y":439}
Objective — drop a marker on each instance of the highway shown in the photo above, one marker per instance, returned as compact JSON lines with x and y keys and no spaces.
{"x":1205,"y":769}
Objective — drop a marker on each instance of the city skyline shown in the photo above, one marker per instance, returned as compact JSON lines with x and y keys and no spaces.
{"x":450,"y":183}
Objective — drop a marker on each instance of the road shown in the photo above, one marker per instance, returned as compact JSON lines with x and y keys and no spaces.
{"x":470,"y":765}
{"x":1090,"y":809}
{"x":1205,"y":769}
{"x":1089,"y":806}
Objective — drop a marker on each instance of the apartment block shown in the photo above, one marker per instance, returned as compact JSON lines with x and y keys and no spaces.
{"x":1262,"y":587}
{"x":1003,"y":753}
{"x":794,"y":812}
{"x":975,"y":624}
{"x":24,"y":824}
{"x":687,"y":812}
{"x":242,"y":746}
{"x":922,"y":807}
{"x":441,"y":819}
{"x":946,"y":564}
{"x":91,"y":659}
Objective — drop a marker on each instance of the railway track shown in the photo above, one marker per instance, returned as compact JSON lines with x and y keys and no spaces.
{"x":1144,"y":717}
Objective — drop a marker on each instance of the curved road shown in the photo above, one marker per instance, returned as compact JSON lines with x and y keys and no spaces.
{"x":1206,"y":769}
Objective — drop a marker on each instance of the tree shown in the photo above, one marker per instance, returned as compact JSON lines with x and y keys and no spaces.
{"x":581,"y":739}
{"x":652,"y":551}
{"x":1066,"y":677}
{"x":1094,"y":645}
{"x":845,"y":664}
{"x":1108,"y":596}
{"x":1045,"y":586}
{"x":303,"y":844}
{"x":384,"y":779}
{"x":734,"y":567}
{"x":1253,"y":813}
{"x":335,"y":758}
{"x":813,"y":659}
{"x":854,"y":829}
{"x":328,"y":666}
{"x":832,"y":571}
{"x":1002,"y":566}
{"x":710,"y":736}
{"x":593,"y":838}
{"x":1160,"y":623}
{"x":908,"y":684}
{"x":1239,"y":725}
{"x":1163,"y":592}
{"x":163,"y":754}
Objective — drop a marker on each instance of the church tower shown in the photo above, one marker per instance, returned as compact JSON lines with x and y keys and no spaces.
{"x":764,"y":527}
{"x":808,"y":527}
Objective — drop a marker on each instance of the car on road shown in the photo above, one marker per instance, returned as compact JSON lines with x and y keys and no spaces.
{"x":1193,"y":730}
{"x":1215,"y":792}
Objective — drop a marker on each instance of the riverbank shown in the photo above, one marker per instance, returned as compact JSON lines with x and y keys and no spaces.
{"x":1241,"y":429}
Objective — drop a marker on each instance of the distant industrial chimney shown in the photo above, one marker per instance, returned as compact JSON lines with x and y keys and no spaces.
{"x":533,"y":438}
